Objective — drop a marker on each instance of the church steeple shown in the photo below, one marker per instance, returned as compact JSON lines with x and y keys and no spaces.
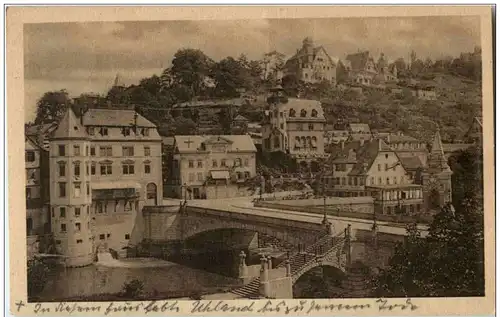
{"x":437,"y":161}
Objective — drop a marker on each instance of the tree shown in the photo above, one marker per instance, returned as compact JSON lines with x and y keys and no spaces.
{"x":190,"y":69}
{"x":133,"y":289}
{"x":273,"y":63}
{"x":400,"y":65}
{"x":38,"y":272}
{"x":467,"y":178}
{"x":52,"y":106}
{"x":448,"y":262}
{"x":230,"y":75}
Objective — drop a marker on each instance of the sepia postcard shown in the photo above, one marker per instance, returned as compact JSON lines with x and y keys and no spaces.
{"x":250,"y":160}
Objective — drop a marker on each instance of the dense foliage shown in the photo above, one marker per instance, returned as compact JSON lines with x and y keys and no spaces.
{"x":450,"y":260}
{"x":38,"y":274}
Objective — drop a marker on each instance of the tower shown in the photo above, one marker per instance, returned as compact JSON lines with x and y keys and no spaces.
{"x":308,"y":46}
{"x":70,"y":194}
{"x":436,"y":177}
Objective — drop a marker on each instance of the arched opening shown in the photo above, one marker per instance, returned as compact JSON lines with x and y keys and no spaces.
{"x":323,"y":281}
{"x":434,"y":199}
{"x":218,"y":250}
{"x":151,"y":194}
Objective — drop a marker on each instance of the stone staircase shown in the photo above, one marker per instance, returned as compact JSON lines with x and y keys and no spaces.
{"x":250,"y":290}
{"x":297,"y":261}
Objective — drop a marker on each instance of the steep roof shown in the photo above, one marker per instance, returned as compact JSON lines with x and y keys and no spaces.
{"x":306,"y":104}
{"x":240,"y":118}
{"x":359,"y":60}
{"x":114,"y":117}
{"x":367,"y":154}
{"x":437,"y":160}
{"x":193,"y":143}
{"x":302,"y":55}
{"x":69,"y":127}
{"x":411,"y":162}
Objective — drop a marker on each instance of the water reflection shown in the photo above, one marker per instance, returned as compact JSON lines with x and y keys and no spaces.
{"x":95,"y":279}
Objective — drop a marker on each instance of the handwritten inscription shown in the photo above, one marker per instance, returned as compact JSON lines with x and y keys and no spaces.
{"x":218,"y":306}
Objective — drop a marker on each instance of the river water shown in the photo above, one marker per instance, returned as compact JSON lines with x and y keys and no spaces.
{"x":97,"y":279}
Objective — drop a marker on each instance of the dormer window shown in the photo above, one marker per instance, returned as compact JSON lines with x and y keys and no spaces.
{"x":292,"y":113}
{"x":103,"y":131}
{"x":145,"y":131}
{"x":303,"y":113}
{"x":91,"y":130}
{"x":314,"y":113}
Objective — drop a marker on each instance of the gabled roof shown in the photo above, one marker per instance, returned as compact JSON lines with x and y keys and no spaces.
{"x":411,"y":162}
{"x":193,"y":143}
{"x":358,"y":60}
{"x":240,"y":118}
{"x":302,"y":55}
{"x":69,"y":127}
{"x":114,"y":117}
{"x":32,"y":142}
{"x":367,"y":154}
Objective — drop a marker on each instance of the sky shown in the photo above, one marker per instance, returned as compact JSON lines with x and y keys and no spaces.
{"x":86,"y":57}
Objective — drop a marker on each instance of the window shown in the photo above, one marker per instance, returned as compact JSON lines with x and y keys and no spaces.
{"x":76,"y":150}
{"x":29,"y":156}
{"x":314,"y":113}
{"x":126,"y":131}
{"x":63,"y":227}
{"x":79,"y":241}
{"x":127,"y":236}
{"x":200,"y":164}
{"x":214,"y":163}
{"x":62,"y":150}
{"x":395,"y":180}
{"x":191,"y":163}
{"x":77,"y":189}
{"x":87,"y":168}
{"x":128,"y":168}
{"x":387,"y":156}
{"x":86,"y":150}
{"x":246,"y":162}
{"x":311,"y":126}
{"x":62,"y":189}
{"x":145,"y":131}
{"x":77,"y":212}
{"x":78,"y":226}
{"x":191,"y":177}
{"x":108,"y":235}
{"x":282,"y":126}
{"x":291,"y":113}
{"x":147,"y":151}
{"x":62,"y":169}
{"x":62,"y":212}
{"x":91,"y":131}
{"x":238,"y":175}
{"x":387,"y":181}
{"x":76,"y":168}
{"x":88,"y":188}
{"x":247,"y":174}
{"x":237,"y":162}
{"x":92,"y":169}
{"x":106,"y":169}
{"x":147,"y":168}
{"x":303,"y":113}
{"x":343,"y":180}
{"x":128,"y":150}
{"x":372,"y":180}
{"x":101,"y":237}
{"x":103,"y":131}
{"x":88,"y":210}
{"x":223,"y":163}
{"x":380,"y":180}
{"x":92,"y":151}
{"x":28,"y":193}
{"x":281,"y":114}
{"x":105,"y":151}
{"x":379,"y":167}
{"x":200,"y":177}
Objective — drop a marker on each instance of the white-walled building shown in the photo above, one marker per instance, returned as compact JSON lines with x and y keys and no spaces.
{"x":105,"y":166}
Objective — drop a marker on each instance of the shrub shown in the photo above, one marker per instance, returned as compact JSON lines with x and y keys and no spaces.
{"x":133,"y":288}
{"x":38,"y":272}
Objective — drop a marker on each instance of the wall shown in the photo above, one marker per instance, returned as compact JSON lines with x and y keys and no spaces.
{"x":281,"y":288}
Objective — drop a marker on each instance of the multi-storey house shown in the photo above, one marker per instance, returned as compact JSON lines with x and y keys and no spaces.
{"x":294,"y":126}
{"x":211,"y":166}
{"x":105,"y":165}
{"x":311,"y":64}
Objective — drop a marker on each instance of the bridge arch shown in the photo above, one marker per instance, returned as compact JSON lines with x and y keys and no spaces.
{"x":283,"y":230}
{"x":327,"y":263}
